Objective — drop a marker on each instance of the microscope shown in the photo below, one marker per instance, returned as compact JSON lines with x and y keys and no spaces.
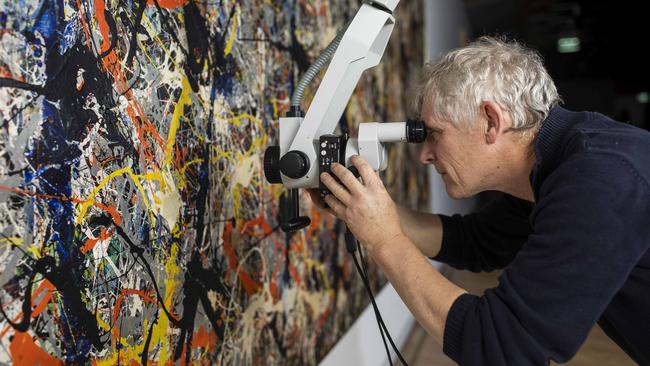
{"x":307,"y":144}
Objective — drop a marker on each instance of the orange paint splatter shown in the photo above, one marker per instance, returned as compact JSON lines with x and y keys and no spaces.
{"x":24,"y":351}
{"x":129,"y":291}
{"x":204,"y":338}
{"x":90,"y":243}
{"x":37,"y":308}
{"x":168,"y":4}
{"x":250,"y":285}
{"x":322,"y":10}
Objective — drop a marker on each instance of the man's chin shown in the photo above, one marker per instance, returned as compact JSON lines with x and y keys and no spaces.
{"x":456,"y":194}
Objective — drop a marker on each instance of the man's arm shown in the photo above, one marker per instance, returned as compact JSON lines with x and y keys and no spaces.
{"x":426,"y":292}
{"x":422,"y":228}
{"x":487,"y":239}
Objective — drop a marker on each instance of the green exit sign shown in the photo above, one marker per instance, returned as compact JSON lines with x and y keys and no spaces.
{"x":568,"y":44}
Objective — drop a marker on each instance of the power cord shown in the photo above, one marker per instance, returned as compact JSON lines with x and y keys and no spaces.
{"x":352,"y":245}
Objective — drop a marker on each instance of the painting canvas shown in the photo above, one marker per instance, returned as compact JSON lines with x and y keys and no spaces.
{"x":136,"y":226}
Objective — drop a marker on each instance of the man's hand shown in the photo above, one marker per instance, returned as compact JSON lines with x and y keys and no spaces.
{"x":365,"y":206}
{"x":314,"y":194}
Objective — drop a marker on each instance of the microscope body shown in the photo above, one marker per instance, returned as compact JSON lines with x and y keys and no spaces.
{"x":307,"y":144}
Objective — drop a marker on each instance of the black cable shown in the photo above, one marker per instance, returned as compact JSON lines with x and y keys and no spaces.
{"x":376,"y":310}
{"x":365,"y":271}
{"x":364,"y":279}
{"x":352,"y":244}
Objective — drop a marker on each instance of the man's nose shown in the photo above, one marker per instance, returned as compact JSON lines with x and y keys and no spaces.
{"x":427,"y":155}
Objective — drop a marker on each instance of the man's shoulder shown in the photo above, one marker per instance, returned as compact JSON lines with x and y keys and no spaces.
{"x":610,"y":140}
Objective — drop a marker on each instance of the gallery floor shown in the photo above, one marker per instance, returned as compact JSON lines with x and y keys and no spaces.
{"x":420,"y":349}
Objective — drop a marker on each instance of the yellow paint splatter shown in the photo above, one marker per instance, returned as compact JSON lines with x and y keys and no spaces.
{"x":238,"y":118}
{"x":159,"y":332}
{"x":183,"y":100}
{"x":85,"y":205}
{"x":233,"y":33}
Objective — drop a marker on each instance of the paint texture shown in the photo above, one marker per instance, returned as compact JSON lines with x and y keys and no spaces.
{"x":136,"y":226}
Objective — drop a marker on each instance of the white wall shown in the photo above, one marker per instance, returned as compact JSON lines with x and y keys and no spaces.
{"x":362,"y":344}
{"x":445,"y":28}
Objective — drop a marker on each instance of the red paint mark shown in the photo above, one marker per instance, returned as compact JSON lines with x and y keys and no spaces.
{"x":100,"y":9}
{"x":204,"y":338}
{"x":311,"y":9}
{"x":323,"y":317}
{"x":273,"y":288}
{"x":90,"y":243}
{"x":129,"y":291}
{"x":249,"y":227}
{"x":5,"y":72}
{"x":250,"y":285}
{"x":24,"y":351}
{"x":45,"y":286}
{"x":110,"y":209}
{"x":294,"y":274}
{"x":168,"y":4}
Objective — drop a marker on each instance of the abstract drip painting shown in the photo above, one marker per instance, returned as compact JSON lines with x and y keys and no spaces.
{"x":136,"y":226}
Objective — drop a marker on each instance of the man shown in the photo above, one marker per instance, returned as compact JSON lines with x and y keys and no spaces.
{"x":572,"y":229}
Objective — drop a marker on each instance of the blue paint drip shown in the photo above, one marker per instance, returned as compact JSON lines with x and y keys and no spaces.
{"x":69,"y":36}
{"x":46,"y":22}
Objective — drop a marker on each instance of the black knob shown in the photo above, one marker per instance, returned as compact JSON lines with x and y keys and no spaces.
{"x":294,"y":164}
{"x":295,"y":224}
{"x":290,"y":221}
{"x":415,"y":131}
{"x":272,"y":164}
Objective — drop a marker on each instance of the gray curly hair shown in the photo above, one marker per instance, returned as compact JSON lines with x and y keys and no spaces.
{"x":489,"y":69}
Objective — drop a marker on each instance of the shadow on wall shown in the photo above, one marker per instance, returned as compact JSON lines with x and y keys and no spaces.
{"x":135,"y":224}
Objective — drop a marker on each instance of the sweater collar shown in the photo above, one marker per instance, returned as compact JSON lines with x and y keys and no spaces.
{"x":552,"y":131}
{"x":549,"y":143}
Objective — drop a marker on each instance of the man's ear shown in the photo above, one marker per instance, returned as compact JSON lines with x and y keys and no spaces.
{"x":495,"y":123}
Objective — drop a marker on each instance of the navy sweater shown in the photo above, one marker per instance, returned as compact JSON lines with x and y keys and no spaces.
{"x":578,"y":256}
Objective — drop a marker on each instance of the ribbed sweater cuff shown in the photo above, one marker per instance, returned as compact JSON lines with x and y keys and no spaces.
{"x":453,"y":338}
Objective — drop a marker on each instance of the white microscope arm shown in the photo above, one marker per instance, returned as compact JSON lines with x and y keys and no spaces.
{"x":361,"y":48}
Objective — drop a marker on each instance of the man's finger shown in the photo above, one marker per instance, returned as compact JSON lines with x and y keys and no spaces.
{"x":337,"y":208}
{"x":365,"y":170}
{"x":336,"y":188}
{"x":347,"y":178}
{"x":314,"y":194}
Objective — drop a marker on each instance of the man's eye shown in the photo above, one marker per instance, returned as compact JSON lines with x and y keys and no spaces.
{"x":433,"y":134}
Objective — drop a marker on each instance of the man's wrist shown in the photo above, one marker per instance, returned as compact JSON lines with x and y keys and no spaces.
{"x":389,"y":248}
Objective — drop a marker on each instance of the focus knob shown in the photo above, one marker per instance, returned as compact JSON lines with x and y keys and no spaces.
{"x":272,"y":164}
{"x":294,"y":164}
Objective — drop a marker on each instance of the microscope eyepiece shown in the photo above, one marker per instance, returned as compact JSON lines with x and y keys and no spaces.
{"x":415,"y":131}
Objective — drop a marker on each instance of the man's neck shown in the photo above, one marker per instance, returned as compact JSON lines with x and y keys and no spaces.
{"x":521,"y":165}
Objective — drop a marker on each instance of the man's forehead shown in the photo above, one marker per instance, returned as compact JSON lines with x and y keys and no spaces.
{"x":429,"y":119}
{"x":427,"y":113}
